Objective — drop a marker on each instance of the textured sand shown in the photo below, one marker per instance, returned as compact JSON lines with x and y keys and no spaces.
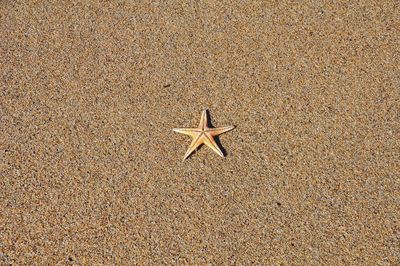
{"x":91,"y":172}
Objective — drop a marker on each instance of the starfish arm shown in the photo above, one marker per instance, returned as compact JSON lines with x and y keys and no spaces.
{"x":219,"y":130}
{"x":203,"y":120}
{"x":193,"y":132}
{"x":210,"y":142}
{"x":193,"y":146}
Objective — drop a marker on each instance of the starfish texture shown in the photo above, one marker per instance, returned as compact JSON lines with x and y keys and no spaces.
{"x":203,"y":135}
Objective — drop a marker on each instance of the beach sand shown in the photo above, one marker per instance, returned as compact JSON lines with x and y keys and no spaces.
{"x":92,"y":174}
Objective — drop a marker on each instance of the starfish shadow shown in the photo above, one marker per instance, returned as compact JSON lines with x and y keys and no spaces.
{"x":216,"y":138}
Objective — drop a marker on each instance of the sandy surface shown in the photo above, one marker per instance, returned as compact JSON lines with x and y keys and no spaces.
{"x":91,"y":172}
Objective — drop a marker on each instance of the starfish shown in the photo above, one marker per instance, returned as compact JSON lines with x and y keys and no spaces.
{"x":203,"y":135}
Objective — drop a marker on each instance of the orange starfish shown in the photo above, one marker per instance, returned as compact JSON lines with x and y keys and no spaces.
{"x":203,"y":135}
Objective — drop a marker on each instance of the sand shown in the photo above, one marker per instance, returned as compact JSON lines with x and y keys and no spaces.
{"x":92,"y":174}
